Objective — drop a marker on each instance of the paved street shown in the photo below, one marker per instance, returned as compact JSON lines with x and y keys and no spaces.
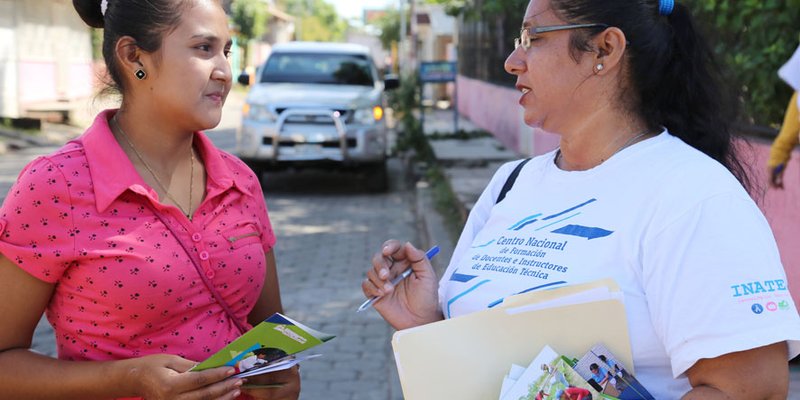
{"x":326,"y":233}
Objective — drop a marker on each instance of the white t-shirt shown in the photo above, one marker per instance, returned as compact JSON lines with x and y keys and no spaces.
{"x":693,"y":254}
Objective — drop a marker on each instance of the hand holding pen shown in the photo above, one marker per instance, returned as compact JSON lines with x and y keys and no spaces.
{"x":403,"y":301}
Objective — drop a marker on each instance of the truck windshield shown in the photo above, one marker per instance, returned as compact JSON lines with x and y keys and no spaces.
{"x":336,"y":69}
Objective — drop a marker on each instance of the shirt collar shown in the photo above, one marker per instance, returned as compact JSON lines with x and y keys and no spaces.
{"x":113,"y":173}
{"x":218,"y":169}
{"x":111,"y":170}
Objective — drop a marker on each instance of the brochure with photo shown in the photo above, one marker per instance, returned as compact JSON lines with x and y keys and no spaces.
{"x":549,"y":376}
{"x":609,"y":376}
{"x":270,"y":346}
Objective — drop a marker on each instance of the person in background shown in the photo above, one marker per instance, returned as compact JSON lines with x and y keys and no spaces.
{"x":600,"y":375}
{"x":573,"y":393}
{"x":645,"y":187}
{"x":788,"y":137}
{"x":261,"y":357}
{"x":615,"y":370}
{"x":148,"y":248}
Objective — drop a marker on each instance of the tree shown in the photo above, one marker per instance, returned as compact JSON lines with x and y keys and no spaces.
{"x":453,"y":7}
{"x":250,"y":18}
{"x":318,"y":20}
{"x":389,"y":25}
{"x":753,"y":39}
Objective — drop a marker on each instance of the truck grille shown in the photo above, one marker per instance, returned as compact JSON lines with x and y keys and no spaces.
{"x":328,"y":144}
{"x":314,"y":119}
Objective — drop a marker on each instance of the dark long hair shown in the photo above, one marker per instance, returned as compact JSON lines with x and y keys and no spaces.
{"x":146,"y":21}
{"x":674,"y":80}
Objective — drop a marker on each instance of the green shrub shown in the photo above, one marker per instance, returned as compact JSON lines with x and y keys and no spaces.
{"x":405,"y":101}
{"x":752,"y":39}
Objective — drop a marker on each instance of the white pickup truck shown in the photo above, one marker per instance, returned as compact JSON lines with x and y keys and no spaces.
{"x":317,"y":105}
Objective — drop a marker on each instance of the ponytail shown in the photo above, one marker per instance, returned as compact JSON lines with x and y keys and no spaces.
{"x":691,"y":100}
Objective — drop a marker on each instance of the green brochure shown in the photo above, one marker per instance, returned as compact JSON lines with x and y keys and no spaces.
{"x":272,"y":345}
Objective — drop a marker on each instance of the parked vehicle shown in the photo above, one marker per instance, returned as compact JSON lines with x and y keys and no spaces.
{"x":317,"y":105}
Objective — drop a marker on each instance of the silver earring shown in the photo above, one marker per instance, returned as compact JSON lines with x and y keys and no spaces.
{"x":598,"y":68}
{"x":140,"y":74}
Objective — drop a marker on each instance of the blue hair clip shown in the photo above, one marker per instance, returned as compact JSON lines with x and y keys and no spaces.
{"x":665,"y":6}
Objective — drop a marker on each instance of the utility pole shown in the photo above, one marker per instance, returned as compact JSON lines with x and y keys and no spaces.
{"x":412,"y":57}
{"x":402,"y":51}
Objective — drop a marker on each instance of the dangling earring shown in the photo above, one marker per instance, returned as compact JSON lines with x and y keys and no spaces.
{"x":140,"y":74}
{"x":598,"y":68}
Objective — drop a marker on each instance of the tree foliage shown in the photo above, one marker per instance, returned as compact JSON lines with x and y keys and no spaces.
{"x":472,"y":9}
{"x":317,"y":20}
{"x":389,"y":25}
{"x":250,"y":18}
{"x":753,"y":38}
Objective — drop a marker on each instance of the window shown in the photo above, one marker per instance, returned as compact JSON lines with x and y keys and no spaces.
{"x":335,"y":69}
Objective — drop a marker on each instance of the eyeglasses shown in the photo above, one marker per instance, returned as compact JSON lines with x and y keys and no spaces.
{"x":527,"y":35}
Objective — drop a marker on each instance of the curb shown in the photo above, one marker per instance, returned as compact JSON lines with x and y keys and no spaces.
{"x":431,"y":226}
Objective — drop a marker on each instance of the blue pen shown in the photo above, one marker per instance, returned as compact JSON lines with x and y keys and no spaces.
{"x":429,"y":254}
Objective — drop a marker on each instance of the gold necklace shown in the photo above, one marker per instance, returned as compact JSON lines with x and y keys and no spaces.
{"x":627,"y":143}
{"x":153,"y":174}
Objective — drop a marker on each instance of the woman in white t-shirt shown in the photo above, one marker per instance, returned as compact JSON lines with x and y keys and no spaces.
{"x":645,"y":188}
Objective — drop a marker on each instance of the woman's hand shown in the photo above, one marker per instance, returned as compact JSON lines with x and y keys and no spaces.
{"x":158,"y":377}
{"x":776,"y":176}
{"x":414,"y":301}
{"x":289,"y":389}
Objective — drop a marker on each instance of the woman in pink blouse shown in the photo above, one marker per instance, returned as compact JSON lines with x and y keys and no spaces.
{"x":148,"y":248}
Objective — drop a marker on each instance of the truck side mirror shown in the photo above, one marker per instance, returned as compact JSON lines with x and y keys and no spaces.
{"x":391,"y":82}
{"x":244,"y":79}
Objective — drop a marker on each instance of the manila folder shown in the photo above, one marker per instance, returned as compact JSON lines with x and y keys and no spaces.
{"x":466,"y":357}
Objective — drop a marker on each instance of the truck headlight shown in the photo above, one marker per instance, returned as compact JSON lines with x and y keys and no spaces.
{"x":370,"y":115}
{"x":259,"y":113}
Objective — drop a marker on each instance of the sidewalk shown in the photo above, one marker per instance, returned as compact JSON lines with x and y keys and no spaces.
{"x":468,"y":166}
{"x":54,"y":134}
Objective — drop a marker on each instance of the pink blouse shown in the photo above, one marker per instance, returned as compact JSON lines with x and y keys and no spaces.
{"x":124,"y":287}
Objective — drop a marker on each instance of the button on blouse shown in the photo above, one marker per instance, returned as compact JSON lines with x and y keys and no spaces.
{"x":83,"y":219}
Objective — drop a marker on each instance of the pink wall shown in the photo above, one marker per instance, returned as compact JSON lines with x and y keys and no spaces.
{"x":80,"y":82}
{"x":492,"y":108}
{"x":495,"y":109}
{"x":37,"y":82}
{"x":781,"y":207}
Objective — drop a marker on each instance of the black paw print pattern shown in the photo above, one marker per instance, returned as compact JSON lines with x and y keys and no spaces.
{"x":125,"y":285}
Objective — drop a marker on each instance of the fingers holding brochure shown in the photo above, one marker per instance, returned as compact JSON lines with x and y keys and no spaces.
{"x":283,"y":384}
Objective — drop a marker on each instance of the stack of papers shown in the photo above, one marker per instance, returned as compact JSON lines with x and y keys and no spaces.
{"x":272,"y":345}
{"x":545,"y":376}
{"x":467,"y":357}
{"x":550,"y":374}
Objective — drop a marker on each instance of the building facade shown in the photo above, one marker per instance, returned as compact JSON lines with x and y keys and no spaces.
{"x":45,"y":58}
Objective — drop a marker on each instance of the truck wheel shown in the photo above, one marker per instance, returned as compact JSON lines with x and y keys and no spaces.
{"x":257,"y":169}
{"x":376,"y":177}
